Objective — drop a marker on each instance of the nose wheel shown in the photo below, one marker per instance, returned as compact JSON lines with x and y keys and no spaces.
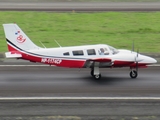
{"x":133,"y":74}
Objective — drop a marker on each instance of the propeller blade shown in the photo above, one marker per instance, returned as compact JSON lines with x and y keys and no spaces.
{"x":137,"y":60}
{"x":137,"y":52}
{"x":137,"y":66}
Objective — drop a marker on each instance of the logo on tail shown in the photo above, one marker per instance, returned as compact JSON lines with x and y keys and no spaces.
{"x":20,"y":38}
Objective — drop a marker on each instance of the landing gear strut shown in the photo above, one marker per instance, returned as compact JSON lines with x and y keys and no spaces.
{"x":133,"y":74}
{"x":96,"y":76}
{"x":95,"y":72}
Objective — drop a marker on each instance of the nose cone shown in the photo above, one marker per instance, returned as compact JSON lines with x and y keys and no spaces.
{"x":151,"y":60}
{"x":148,"y":60}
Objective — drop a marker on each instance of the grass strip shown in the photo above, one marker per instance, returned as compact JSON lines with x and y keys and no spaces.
{"x":118,"y":29}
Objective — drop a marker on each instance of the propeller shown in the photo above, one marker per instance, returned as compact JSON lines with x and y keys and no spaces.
{"x":136,"y":61}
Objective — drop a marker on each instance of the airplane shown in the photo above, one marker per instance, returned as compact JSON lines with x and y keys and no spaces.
{"x":86,"y":56}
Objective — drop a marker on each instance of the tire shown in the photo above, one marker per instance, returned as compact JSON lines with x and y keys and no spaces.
{"x":133,"y":74}
{"x":92,"y":72}
{"x":97,"y":77}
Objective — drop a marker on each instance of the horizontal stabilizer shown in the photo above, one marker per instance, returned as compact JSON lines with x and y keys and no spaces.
{"x":12,"y":55}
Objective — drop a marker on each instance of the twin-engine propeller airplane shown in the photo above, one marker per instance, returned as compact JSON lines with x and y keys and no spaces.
{"x":87,"y":56}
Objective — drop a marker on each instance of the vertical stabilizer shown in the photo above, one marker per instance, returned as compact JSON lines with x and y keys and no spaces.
{"x":17,"y":39}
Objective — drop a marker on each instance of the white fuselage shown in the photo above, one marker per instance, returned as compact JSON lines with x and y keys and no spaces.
{"x":119,"y":58}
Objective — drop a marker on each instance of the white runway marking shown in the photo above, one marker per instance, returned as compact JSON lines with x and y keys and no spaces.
{"x":79,"y":98}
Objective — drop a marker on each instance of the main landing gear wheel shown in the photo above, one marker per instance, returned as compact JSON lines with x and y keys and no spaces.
{"x":92,"y":72}
{"x":97,"y":77}
{"x":133,"y":74}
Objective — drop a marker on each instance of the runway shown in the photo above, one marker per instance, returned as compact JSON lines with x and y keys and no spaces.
{"x":49,"y":92}
{"x":77,"y":110}
{"x":54,"y":82}
{"x":79,"y":6}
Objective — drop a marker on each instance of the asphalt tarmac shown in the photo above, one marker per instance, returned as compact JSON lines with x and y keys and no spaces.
{"x":44,"y":82}
{"x":77,"y":110}
{"x":49,"y":81}
{"x":80,"y":6}
{"x":52,"y":81}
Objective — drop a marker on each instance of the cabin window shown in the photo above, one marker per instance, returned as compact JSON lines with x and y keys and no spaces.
{"x":66,"y":53}
{"x":91,"y":52}
{"x":78,"y":52}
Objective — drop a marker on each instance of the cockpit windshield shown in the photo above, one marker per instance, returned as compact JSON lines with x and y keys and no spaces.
{"x":113,"y":50}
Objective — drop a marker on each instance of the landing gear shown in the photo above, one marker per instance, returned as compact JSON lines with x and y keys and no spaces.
{"x":92,"y":72}
{"x":97,"y":77}
{"x":95,"y":73}
{"x":133,"y":74}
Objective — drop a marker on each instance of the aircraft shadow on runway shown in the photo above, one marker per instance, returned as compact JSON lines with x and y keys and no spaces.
{"x":107,"y":80}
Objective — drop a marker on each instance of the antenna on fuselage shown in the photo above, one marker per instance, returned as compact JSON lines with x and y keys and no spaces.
{"x":57,"y":43}
{"x":42,"y":44}
{"x":133,"y":46}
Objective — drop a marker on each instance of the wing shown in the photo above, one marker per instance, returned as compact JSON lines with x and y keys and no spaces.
{"x":100,"y":60}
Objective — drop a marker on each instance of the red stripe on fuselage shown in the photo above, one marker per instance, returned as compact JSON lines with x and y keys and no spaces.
{"x":140,"y":65}
{"x":118,"y":63}
{"x":72,"y":63}
{"x":131,"y":64}
{"x":10,"y":48}
{"x":13,"y":50}
{"x":52,"y":61}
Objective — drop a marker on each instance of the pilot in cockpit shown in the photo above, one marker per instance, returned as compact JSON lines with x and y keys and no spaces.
{"x":103,"y":51}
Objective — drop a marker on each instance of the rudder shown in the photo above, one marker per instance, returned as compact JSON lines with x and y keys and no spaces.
{"x":17,"y":39}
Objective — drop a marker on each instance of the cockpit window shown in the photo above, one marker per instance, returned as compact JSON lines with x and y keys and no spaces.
{"x":103,"y":51}
{"x":113,"y":50}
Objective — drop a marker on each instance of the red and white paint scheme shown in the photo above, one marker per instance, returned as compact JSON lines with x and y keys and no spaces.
{"x":87,"y":56}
